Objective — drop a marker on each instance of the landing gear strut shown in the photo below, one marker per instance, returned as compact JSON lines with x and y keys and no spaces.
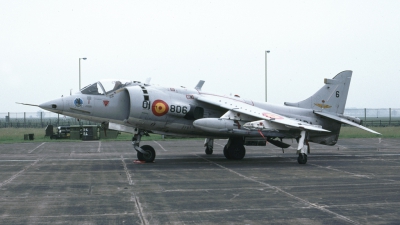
{"x":146,"y":152}
{"x":209,"y":144}
{"x":234,"y":149}
{"x":303,"y":148}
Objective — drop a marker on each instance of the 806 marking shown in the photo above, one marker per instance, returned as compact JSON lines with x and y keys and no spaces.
{"x":178,"y":109}
{"x":172,"y":108}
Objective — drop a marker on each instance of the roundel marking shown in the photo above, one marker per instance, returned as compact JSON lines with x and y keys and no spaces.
{"x":159,"y":108}
{"x":78,"y":102}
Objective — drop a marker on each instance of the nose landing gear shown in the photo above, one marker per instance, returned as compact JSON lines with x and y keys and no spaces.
{"x":146,"y":152}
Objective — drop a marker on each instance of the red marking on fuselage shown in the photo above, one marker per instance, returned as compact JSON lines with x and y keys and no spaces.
{"x":272,"y":115}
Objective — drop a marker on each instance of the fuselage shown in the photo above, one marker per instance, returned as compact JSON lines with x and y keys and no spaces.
{"x":172,"y":111}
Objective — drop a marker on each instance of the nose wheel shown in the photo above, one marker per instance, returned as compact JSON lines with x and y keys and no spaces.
{"x":149,"y":156}
{"x":146,"y":152}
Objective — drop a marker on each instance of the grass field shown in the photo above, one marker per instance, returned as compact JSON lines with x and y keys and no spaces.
{"x":11,"y":135}
{"x":353,"y":132}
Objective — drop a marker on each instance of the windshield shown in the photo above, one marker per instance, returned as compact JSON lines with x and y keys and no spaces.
{"x":111,"y":85}
{"x":106,"y":86}
{"x":92,"y":89}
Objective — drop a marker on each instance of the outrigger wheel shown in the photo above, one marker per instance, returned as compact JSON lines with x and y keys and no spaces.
{"x":149,"y":156}
{"x":209,"y":151}
{"x":302,"y":159}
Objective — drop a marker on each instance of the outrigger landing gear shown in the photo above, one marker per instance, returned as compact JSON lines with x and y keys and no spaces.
{"x":234,"y":149}
{"x":209,"y":144}
{"x":303,"y":148}
{"x":146,"y":152}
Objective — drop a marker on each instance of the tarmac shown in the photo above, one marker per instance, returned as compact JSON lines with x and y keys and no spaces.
{"x":356,"y":181}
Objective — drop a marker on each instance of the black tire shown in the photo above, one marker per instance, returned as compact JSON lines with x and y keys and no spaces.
{"x":209,"y":151}
{"x":149,"y":156}
{"x":140,"y":156}
{"x":302,"y":159}
{"x":226,"y":153}
{"x":237,"y":151}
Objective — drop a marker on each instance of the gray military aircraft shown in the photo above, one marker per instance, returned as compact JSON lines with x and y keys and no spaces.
{"x":140,"y":108}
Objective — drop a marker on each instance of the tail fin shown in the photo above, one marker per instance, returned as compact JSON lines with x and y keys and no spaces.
{"x":331,"y":97}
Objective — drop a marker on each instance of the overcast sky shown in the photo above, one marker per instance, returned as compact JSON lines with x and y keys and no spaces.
{"x":178,"y":43}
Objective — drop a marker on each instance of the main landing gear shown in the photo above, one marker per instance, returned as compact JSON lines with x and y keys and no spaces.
{"x":145,"y":152}
{"x":303,"y":148}
{"x":234,"y":149}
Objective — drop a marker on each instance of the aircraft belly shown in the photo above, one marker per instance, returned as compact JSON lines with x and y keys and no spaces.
{"x":326,"y":138}
{"x":330,"y":139}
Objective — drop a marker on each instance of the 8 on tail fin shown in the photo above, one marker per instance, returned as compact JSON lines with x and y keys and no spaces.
{"x":331,"y":97}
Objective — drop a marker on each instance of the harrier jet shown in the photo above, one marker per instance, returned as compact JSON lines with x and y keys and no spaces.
{"x":141,"y":109}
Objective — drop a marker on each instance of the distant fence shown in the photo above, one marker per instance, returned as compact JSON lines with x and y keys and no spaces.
{"x":370,"y":117}
{"x":381,"y":117}
{"x":38,"y":120}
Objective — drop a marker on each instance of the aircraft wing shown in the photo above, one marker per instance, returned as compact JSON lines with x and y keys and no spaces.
{"x":239,"y":106}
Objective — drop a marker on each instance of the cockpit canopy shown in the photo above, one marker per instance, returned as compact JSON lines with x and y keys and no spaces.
{"x":107,"y":86}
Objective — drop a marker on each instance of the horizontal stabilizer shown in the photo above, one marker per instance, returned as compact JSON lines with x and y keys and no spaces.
{"x":342,"y":120}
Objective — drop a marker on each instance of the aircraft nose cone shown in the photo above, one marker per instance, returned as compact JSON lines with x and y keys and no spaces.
{"x":56,"y":105}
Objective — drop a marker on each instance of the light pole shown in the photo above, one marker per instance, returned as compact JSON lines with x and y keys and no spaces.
{"x":80,"y":72}
{"x":266,"y":89}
